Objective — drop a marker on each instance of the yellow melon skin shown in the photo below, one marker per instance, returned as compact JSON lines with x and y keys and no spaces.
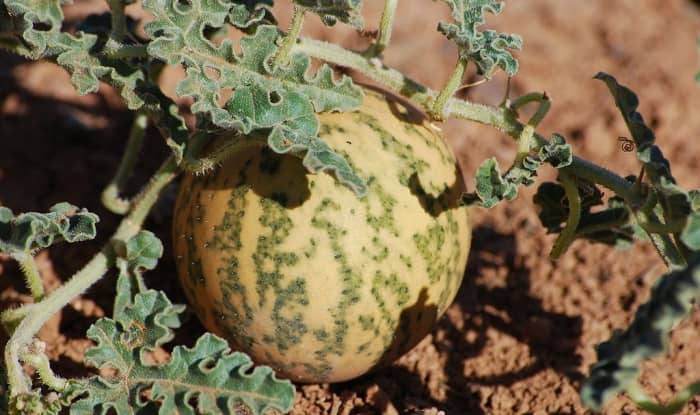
{"x":298,"y":272}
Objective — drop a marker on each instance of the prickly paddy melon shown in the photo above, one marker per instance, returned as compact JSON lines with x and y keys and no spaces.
{"x":297,"y":271}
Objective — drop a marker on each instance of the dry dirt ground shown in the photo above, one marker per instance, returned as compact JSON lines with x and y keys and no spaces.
{"x":521,"y":334}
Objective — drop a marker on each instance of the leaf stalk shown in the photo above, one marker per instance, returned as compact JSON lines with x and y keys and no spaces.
{"x":83,"y":279}
{"x":385,"y":28}
{"x":31,"y":275}
{"x":110,"y":195}
{"x":439,"y":111}
{"x":35,"y":355}
{"x":288,"y":42}
{"x":568,"y":234}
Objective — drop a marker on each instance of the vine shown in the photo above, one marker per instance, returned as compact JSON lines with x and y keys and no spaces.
{"x":275,"y":101}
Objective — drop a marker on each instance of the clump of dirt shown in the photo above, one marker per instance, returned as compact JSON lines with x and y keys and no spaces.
{"x":521,"y":334}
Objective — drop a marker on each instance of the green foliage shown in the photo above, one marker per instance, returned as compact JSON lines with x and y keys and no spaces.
{"x":207,"y":378}
{"x":493,"y":187}
{"x":39,"y":23}
{"x":141,"y":253}
{"x":487,"y":49}
{"x":332,"y":11}
{"x":267,"y":88}
{"x":282,"y":100}
{"x":30,"y":231}
{"x":620,"y":357}
{"x":247,"y":14}
{"x":654,"y":162}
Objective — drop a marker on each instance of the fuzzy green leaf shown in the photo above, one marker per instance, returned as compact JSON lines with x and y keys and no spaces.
{"x":488,"y":49}
{"x":332,"y":11}
{"x":619,"y":359}
{"x":207,"y":378}
{"x":38,"y":22}
{"x":556,"y":152}
{"x":142,"y":253}
{"x":246,"y":14}
{"x":491,"y":187}
{"x":648,"y":153}
{"x":280,"y":100}
{"x":29,"y":231}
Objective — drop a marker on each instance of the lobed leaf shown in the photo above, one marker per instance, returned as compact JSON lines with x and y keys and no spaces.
{"x":30,"y":231}
{"x":493,"y":187}
{"x":38,"y":22}
{"x":488,"y":49}
{"x":619,"y":358}
{"x":247,"y":14}
{"x":332,"y":11}
{"x":207,"y":378}
{"x":279,"y":100}
{"x":142,"y":252}
{"x":648,"y":153}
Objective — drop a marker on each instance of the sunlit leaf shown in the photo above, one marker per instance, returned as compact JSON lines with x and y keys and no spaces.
{"x":487,"y":49}
{"x":246,"y":14}
{"x":30,"y":231}
{"x":207,"y":378}
{"x":281,"y":100}
{"x":491,"y":187}
{"x":332,"y":11}
{"x":142,"y":253}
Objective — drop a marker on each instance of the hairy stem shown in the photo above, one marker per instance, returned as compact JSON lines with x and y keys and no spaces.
{"x":501,"y":118}
{"x":83,"y":279}
{"x":440,"y":108}
{"x":385,"y":27}
{"x":662,"y":242}
{"x":288,"y":42}
{"x":390,"y":78}
{"x":31,"y":274}
{"x":118,"y":19}
{"x":35,"y":355}
{"x":110,"y":195}
{"x":11,"y":318}
{"x":568,"y":234}
{"x":235,"y":142}
{"x":528,"y":132}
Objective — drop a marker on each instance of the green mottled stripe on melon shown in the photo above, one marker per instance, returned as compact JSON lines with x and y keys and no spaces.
{"x":308,"y":278}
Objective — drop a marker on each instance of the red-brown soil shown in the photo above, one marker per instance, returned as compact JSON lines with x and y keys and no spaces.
{"x":521,"y":334}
